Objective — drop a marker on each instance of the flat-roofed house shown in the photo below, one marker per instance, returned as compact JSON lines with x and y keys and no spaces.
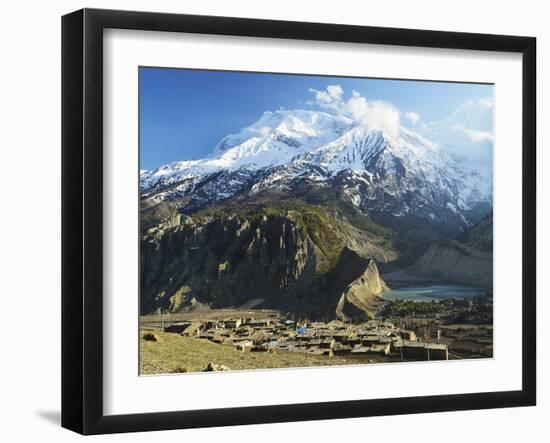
{"x":317,"y":325}
{"x":396,"y":345}
{"x":424,"y":351}
{"x":260,"y":323}
{"x":341,"y":337}
{"x":360,"y":350}
{"x":314,"y":343}
{"x":212,"y":324}
{"x":177,"y":328}
{"x":413,"y":350}
{"x":341,"y":349}
{"x":367,"y":340}
{"x":193,"y":329}
{"x":303,"y":338}
{"x":327,"y":343}
{"x":288,"y":333}
{"x":437,"y":351}
{"x":380,"y":348}
{"x":233,"y":323}
{"x":353,"y":340}
{"x":408,"y":334}
{"x":337,"y":325}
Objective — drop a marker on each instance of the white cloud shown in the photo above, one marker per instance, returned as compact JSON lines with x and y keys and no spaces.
{"x":376,"y":115}
{"x":322,"y":97}
{"x":465,"y":131}
{"x":330,"y":98}
{"x":335,"y":91}
{"x":475,"y":136}
{"x":413,"y":117}
{"x":478,"y":136}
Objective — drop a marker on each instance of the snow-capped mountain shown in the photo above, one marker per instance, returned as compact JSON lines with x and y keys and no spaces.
{"x":400,"y":174}
{"x":273,"y":140}
{"x":467,"y":133}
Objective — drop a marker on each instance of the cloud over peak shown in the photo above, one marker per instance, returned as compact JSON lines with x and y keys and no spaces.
{"x":330,"y":98}
{"x":413,"y":117}
{"x":468,"y":130}
{"x":376,"y":115}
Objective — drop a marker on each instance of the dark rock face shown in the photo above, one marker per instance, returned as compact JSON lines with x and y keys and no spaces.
{"x":225,"y":263}
{"x":297,"y":260}
{"x":327,"y":299}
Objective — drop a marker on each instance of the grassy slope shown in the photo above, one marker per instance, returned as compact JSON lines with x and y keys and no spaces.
{"x":173,"y":353}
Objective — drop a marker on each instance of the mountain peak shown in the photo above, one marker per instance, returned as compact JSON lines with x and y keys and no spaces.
{"x":293,"y":127}
{"x":397,"y":173}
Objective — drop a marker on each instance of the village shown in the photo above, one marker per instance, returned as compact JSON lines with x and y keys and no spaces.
{"x":465,"y":325}
{"x":374,"y":340}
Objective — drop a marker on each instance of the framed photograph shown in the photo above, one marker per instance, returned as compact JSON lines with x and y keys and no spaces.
{"x":269,"y":221}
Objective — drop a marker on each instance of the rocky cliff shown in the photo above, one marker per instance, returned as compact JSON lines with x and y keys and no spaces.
{"x":294,"y":257}
{"x":360,"y":299}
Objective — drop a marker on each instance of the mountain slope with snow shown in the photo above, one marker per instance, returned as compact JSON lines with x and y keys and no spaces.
{"x":398,"y":174}
{"x":273,"y":140}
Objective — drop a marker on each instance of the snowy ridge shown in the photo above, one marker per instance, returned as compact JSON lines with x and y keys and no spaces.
{"x":273,"y":140}
{"x":399,"y":173}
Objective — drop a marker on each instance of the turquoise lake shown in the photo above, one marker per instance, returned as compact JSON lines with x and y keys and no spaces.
{"x":432,"y":292}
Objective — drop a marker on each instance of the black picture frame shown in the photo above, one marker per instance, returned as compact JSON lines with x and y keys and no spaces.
{"x":82,"y":218}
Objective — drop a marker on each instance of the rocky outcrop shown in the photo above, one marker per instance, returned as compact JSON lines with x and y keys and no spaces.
{"x":297,"y":259}
{"x":224,"y":262}
{"x":456,"y":263}
{"x":361,"y":298}
{"x":214,"y":367}
{"x":466,"y":260}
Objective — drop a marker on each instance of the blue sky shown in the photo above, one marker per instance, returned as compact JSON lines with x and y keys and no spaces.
{"x":184,"y":113}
